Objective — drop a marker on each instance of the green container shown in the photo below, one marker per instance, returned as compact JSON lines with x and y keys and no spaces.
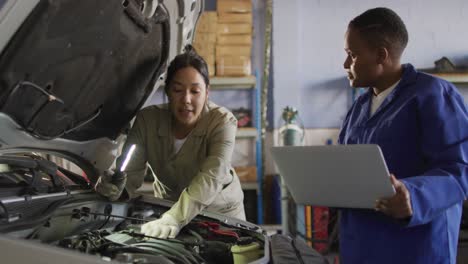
{"x":291,"y":132}
{"x":292,"y":135}
{"x":244,"y":254}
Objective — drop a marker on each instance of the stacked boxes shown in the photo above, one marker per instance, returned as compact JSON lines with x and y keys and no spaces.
{"x":246,"y":173}
{"x":234,"y":38}
{"x":224,"y":38}
{"x":205,"y":39}
{"x":234,"y":6}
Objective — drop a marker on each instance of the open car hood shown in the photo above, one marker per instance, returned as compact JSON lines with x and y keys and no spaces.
{"x":73,"y":74}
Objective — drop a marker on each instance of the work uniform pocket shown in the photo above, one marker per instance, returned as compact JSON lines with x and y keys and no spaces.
{"x":230,"y":196}
{"x":232,"y":193}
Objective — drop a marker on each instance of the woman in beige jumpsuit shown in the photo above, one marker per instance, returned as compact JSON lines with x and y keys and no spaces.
{"x":188,"y":143}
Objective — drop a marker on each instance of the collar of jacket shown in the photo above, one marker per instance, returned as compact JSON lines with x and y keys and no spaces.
{"x":165,"y":120}
{"x":408,"y":77}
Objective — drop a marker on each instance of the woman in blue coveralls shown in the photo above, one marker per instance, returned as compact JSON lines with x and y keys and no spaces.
{"x":420,"y":123}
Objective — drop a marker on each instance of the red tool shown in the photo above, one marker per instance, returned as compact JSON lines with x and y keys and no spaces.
{"x":215,"y":231}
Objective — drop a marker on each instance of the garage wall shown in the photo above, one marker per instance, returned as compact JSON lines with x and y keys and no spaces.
{"x":308,"y":50}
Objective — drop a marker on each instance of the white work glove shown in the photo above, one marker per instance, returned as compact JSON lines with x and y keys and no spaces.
{"x":164,"y":227}
{"x":111,"y":184}
{"x":173,"y":220}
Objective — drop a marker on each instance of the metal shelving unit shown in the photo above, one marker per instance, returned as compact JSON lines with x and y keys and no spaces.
{"x":456,"y":78}
{"x":249,"y":186}
{"x":247,"y":132}
{"x":233,"y":83}
{"x":248,"y":83}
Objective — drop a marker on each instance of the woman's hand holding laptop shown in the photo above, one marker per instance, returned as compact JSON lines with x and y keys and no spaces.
{"x":399,"y":205}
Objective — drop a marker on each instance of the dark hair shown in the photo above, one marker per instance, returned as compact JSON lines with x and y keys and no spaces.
{"x":382,"y":27}
{"x":189,"y":58}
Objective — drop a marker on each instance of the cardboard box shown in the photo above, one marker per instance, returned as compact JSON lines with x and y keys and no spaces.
{"x":234,"y":6}
{"x":204,"y":48}
{"x":224,"y":28}
{"x":211,"y":69}
{"x":241,"y":39}
{"x":235,"y":18}
{"x":207,"y":52}
{"x":233,"y":66}
{"x":207,"y":22}
{"x":205,"y":37}
{"x":209,"y":16}
{"x":246,"y":173}
{"x":233,"y":50}
{"x":209,"y":58}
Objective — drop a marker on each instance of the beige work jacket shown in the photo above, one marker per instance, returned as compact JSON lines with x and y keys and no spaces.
{"x":202,"y":166}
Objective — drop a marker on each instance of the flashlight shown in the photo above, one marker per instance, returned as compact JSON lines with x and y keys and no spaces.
{"x":128,"y":157}
{"x":120,"y":175}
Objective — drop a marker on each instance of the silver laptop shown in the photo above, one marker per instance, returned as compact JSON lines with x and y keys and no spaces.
{"x":350,"y":176}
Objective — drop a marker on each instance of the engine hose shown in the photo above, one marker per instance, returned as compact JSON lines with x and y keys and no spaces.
{"x":171,"y":240}
{"x":197,"y":236}
{"x":179,"y":258}
{"x":191,"y":255}
{"x":145,"y":250}
{"x":171,"y":249}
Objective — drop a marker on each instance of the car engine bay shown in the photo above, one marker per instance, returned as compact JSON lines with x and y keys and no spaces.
{"x":60,"y":212}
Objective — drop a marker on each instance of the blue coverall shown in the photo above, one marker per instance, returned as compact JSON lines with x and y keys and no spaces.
{"x":422,"y":129}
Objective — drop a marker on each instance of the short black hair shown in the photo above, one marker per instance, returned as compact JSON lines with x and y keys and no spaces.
{"x":189,"y":58}
{"x":381,"y":26}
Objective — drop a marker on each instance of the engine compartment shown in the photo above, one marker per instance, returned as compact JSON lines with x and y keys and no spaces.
{"x":46,"y":204}
{"x":111,"y":231}
{"x":201,"y":241}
